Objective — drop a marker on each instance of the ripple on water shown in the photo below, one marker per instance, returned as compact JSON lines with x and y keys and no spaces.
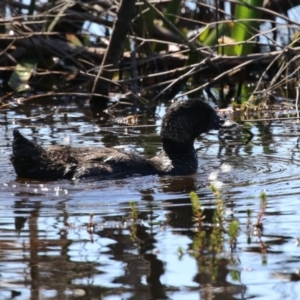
{"x":79,"y":237}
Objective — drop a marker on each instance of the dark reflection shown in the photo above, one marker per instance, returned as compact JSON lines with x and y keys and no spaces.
{"x":212,"y":278}
{"x":15,"y":294}
{"x":156,"y":269}
{"x":19,"y":223}
{"x":180,"y":211}
{"x":20,"y":220}
{"x":216,"y":275}
{"x":182,"y":184}
{"x":34,"y":261}
{"x":213,"y":271}
{"x":143,"y":263}
{"x":48,"y":269}
{"x":48,"y":251}
{"x":147,"y":195}
{"x":51,"y":264}
{"x":155,"y":266}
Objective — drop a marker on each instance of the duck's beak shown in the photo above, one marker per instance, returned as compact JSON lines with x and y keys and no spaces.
{"x":217,"y":123}
{"x":221,"y":123}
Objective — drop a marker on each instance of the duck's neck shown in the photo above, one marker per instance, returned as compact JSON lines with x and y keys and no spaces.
{"x":173,"y":149}
{"x":175,"y":158}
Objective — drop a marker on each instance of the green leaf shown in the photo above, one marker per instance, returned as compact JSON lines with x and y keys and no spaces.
{"x":173,"y":9}
{"x":19,"y":78}
{"x":220,"y":30}
{"x":245,"y":27}
{"x":73,"y":39}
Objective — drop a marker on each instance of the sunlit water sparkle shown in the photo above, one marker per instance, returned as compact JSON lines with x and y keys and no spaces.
{"x":55,"y":255}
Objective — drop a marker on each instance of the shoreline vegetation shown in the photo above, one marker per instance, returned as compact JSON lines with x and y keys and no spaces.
{"x":148,"y":50}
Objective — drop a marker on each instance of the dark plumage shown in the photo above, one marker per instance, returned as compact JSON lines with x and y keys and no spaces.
{"x":183,"y":122}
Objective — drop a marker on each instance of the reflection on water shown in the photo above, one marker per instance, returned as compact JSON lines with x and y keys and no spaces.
{"x":77,"y":240}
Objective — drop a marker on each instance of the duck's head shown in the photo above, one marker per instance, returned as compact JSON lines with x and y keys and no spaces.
{"x":185,"y":120}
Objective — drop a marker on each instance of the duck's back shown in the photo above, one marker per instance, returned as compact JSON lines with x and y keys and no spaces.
{"x":65,"y":162}
{"x":110,"y":163}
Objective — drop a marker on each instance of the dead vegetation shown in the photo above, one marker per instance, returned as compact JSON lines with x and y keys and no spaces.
{"x":155,"y":50}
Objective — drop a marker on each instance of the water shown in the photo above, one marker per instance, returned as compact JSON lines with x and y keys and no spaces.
{"x":77,"y":240}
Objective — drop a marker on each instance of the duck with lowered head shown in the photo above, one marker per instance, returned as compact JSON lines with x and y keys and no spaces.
{"x":183,"y":122}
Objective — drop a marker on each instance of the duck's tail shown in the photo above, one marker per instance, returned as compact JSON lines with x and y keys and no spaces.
{"x":25,"y":155}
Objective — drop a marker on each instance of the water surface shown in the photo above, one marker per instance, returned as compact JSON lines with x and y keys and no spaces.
{"x":77,"y":240}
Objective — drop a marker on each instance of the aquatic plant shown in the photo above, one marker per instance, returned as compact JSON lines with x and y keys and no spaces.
{"x":211,"y":237}
{"x":263,"y":203}
{"x":134,"y":211}
{"x":220,"y":209}
{"x":199,"y":239}
{"x":197,"y":210}
{"x":233,"y":233}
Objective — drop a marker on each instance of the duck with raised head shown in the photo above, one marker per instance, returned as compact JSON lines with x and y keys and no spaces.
{"x":183,"y":122}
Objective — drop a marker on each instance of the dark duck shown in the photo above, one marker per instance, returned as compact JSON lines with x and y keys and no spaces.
{"x":181,"y":125}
